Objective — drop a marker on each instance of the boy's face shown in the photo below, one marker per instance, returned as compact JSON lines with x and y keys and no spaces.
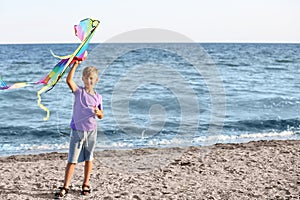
{"x":90,"y":80}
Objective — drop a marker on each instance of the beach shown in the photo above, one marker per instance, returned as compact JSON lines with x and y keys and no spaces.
{"x":253,"y":170}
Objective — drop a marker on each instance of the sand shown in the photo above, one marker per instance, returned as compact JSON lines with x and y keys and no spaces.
{"x":254,"y":170}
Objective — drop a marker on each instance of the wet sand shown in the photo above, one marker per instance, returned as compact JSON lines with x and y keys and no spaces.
{"x":254,"y":170}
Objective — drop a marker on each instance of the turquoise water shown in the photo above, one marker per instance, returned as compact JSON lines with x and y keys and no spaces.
{"x":154,"y":96}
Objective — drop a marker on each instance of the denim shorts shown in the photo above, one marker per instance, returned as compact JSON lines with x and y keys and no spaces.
{"x":82,"y":146}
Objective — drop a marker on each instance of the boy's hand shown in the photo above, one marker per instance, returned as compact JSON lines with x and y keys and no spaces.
{"x":77,"y":62}
{"x":99,"y":113}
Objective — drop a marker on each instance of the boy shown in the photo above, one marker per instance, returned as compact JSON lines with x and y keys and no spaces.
{"x":87,"y":106}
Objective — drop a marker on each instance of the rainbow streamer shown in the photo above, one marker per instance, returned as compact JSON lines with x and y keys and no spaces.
{"x":84,"y":31}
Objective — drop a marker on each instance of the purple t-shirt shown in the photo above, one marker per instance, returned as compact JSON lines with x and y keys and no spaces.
{"x":84,"y":118}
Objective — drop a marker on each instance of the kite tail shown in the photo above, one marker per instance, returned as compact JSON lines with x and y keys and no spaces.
{"x":40,"y":100}
{"x":60,"y":57}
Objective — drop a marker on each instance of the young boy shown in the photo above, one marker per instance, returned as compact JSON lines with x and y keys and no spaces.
{"x":87,"y":106}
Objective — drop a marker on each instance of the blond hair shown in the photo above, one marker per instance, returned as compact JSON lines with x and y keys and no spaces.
{"x":89,"y":70}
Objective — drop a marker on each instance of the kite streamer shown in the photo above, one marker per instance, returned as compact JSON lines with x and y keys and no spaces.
{"x":84,"y":31}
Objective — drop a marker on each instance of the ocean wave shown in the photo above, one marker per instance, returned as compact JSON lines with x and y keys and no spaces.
{"x":24,"y":131}
{"x":278,"y":68}
{"x":284,"y":61}
{"x":104,"y":143}
{"x":197,"y":140}
{"x":280,"y":102}
{"x":21,"y":62}
{"x":245,"y":137}
{"x":264,"y":125}
{"x":28,"y":148}
{"x":286,"y":104}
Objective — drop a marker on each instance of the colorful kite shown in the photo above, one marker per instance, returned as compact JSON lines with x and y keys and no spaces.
{"x":84,"y":31}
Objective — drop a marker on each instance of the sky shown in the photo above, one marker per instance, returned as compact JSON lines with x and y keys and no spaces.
{"x":51,"y":21}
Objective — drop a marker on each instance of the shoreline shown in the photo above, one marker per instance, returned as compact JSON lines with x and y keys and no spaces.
{"x":265,"y":169}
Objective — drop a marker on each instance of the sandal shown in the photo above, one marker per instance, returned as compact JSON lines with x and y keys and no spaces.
{"x":62,"y":192}
{"x":86,"y":190}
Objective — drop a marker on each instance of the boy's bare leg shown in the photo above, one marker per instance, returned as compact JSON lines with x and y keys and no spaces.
{"x":87,"y":172}
{"x":69,"y":173}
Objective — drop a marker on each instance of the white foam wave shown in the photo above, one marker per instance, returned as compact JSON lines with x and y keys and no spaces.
{"x":270,"y":134}
{"x":245,"y":137}
{"x":10,"y":149}
{"x":27,"y":148}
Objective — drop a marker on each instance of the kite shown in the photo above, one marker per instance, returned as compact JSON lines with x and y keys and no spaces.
{"x":84,"y":31}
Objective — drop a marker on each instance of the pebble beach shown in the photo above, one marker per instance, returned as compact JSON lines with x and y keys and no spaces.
{"x":253,"y":170}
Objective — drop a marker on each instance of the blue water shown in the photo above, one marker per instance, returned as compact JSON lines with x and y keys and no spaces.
{"x":155,"y":96}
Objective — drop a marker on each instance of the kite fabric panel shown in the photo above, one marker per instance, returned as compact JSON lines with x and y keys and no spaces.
{"x":84,"y":31}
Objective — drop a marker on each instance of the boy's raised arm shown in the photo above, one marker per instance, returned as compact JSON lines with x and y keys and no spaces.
{"x":72,"y":85}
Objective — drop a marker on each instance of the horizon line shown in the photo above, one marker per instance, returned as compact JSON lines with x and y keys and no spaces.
{"x":160,"y":42}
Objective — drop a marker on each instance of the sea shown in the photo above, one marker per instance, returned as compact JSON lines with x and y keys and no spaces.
{"x":156,"y":95}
